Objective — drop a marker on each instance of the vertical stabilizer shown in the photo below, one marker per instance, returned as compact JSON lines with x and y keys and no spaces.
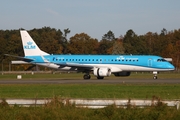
{"x":29,"y":46}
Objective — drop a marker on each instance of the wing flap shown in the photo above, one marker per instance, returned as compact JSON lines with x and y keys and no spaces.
{"x":77,"y":65}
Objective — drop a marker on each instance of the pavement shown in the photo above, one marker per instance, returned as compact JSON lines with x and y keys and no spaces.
{"x":91,"y":81}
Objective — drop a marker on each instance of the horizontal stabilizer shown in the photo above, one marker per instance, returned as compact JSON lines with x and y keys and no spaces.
{"x":19,"y":62}
{"x":19,"y":57}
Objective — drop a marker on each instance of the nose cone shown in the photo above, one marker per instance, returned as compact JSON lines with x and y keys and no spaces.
{"x":170,"y":66}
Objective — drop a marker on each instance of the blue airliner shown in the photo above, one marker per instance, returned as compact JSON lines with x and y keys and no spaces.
{"x":100,"y":65}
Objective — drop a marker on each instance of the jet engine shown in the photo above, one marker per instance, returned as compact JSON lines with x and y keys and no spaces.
{"x":122,"y":74}
{"x":102,"y":72}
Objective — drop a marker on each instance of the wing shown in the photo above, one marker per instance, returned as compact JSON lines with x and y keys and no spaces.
{"x":77,"y":66}
{"x":89,"y":67}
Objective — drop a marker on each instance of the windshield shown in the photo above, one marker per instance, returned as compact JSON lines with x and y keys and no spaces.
{"x":161,"y":60}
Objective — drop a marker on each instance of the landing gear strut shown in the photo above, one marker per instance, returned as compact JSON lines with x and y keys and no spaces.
{"x":155,"y":75}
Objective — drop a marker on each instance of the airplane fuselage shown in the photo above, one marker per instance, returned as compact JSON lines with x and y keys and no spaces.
{"x":116,"y":63}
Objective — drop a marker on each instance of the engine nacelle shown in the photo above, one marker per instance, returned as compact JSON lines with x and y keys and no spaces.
{"x":122,"y":74}
{"x":102,"y":72}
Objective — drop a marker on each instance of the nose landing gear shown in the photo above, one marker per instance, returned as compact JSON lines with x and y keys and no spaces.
{"x":155,"y":75}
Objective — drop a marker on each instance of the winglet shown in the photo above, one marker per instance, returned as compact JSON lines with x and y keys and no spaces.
{"x":29,"y":46}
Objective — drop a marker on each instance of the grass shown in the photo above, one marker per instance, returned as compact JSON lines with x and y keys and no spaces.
{"x":55,"y":110}
{"x":120,"y":91}
{"x":117,"y":91}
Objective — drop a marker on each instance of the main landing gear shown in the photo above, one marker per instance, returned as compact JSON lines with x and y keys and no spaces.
{"x":99,"y":77}
{"x":88,"y":76}
{"x":155,"y":75}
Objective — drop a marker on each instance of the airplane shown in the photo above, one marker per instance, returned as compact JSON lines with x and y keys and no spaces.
{"x":99,"y":65}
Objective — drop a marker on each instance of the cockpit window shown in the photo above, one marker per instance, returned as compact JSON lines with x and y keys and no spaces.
{"x":161,"y":60}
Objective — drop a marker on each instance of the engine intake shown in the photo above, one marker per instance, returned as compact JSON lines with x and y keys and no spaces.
{"x":102,"y":72}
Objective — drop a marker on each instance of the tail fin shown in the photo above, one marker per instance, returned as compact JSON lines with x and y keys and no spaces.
{"x":29,"y":46}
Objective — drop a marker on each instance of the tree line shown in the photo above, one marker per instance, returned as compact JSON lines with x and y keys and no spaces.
{"x":54,"y":41}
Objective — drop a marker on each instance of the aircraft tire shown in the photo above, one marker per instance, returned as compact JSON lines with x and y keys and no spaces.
{"x":155,"y":77}
{"x":99,"y":77}
{"x":86,"y":76}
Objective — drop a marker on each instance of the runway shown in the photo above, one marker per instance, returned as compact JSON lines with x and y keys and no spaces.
{"x":91,"y":81}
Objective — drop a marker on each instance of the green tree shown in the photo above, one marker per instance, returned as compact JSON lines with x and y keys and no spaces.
{"x":65,"y":41}
{"x":149,"y":42}
{"x":109,"y":36}
{"x":3,"y":42}
{"x":48,"y":39}
{"x":82,"y":44}
{"x":118,"y":47}
{"x":106,"y":44}
{"x":14,"y":44}
{"x":134,"y":44}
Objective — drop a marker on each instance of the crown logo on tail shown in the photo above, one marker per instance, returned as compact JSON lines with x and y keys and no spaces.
{"x":29,"y":45}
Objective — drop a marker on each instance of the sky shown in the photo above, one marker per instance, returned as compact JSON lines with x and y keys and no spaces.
{"x":93,"y":17}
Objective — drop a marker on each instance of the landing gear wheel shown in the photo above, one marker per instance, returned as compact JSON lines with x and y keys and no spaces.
{"x":86,"y":76}
{"x":155,"y":77}
{"x":99,"y":77}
